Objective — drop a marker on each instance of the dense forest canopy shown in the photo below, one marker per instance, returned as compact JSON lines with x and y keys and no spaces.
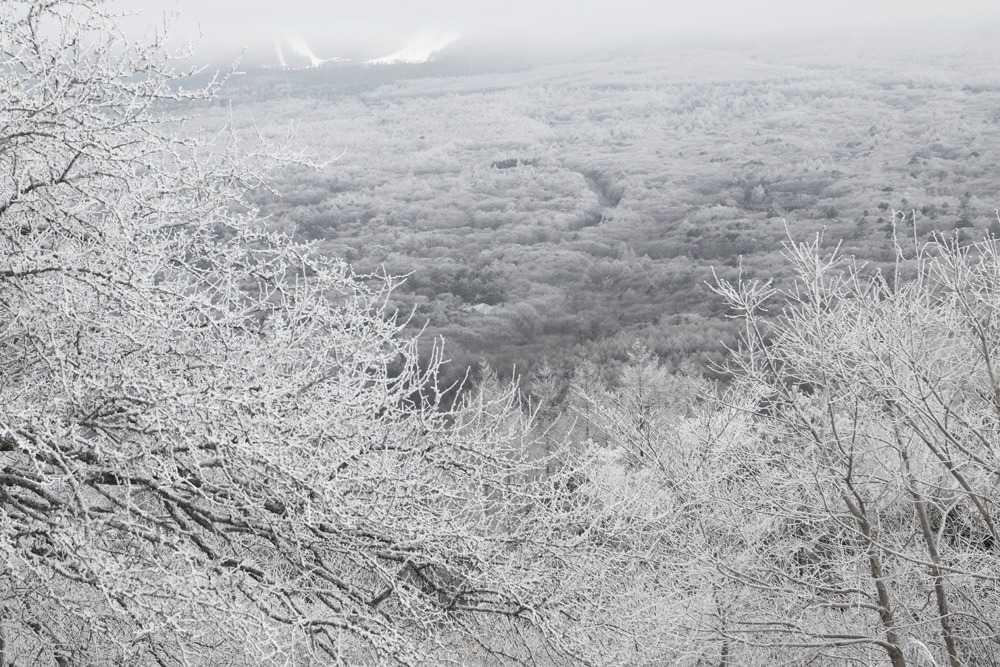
{"x":552,"y":209}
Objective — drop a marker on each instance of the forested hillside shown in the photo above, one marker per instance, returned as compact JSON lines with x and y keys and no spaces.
{"x":547,"y":210}
{"x":221,"y":446}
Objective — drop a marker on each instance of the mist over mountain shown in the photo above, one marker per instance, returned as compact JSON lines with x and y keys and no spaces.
{"x":381,"y":29}
{"x":293,"y":51}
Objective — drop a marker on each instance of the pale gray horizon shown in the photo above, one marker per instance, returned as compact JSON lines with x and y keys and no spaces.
{"x":331,"y":26}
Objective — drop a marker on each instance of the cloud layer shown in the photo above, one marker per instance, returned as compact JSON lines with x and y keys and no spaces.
{"x":378,"y":27}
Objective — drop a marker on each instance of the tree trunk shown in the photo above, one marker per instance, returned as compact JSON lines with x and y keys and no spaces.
{"x":944,"y":612}
{"x":875,"y":568}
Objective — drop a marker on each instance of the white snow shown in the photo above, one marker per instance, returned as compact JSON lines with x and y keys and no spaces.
{"x":282,"y":63}
{"x":420,"y":49}
{"x":293,"y":52}
{"x":301,"y":48}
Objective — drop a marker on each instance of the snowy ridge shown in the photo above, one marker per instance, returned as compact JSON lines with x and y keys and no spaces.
{"x":420,"y":50}
{"x":293,"y":52}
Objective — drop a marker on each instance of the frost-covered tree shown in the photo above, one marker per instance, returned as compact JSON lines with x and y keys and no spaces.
{"x":855,"y":476}
{"x":215,"y":446}
{"x":641,"y":456}
{"x":637,"y":414}
{"x":837,"y":503}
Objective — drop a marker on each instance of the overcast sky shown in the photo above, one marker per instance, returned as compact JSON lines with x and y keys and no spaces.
{"x":328,"y":24}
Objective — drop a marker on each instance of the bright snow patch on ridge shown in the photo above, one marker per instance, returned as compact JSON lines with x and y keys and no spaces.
{"x":299,"y":46}
{"x":298,"y":55}
{"x":419,"y":50}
